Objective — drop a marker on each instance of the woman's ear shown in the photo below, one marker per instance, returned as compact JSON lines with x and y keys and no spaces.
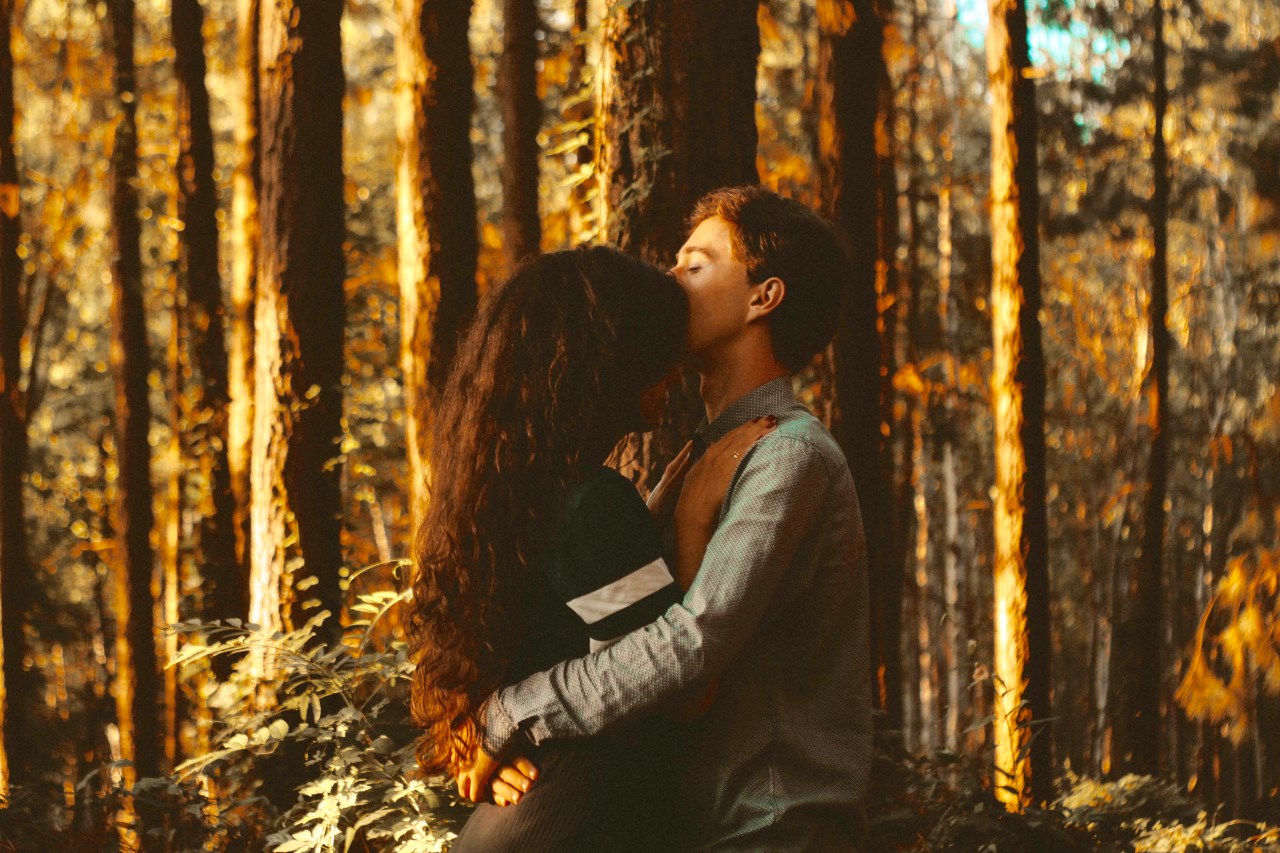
{"x":765,"y":297}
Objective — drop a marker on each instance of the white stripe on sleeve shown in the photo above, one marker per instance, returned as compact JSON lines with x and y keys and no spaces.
{"x":622,"y":593}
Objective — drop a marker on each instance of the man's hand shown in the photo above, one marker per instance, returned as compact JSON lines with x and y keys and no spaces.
{"x":512,"y":781}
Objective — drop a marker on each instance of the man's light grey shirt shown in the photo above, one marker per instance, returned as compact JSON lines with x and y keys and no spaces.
{"x":779,"y":613}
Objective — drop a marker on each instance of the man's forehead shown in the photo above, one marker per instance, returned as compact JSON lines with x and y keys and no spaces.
{"x":710,"y":238}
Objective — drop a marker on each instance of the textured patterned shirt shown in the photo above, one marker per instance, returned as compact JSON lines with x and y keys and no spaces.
{"x":779,"y":614}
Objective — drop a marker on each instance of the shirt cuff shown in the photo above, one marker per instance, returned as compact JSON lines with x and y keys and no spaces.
{"x":499,"y":728}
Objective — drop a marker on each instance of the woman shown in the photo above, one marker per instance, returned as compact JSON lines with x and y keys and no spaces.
{"x":532,"y":552}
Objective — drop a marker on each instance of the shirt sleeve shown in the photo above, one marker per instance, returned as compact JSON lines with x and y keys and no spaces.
{"x":608,"y":566}
{"x":774,"y":503}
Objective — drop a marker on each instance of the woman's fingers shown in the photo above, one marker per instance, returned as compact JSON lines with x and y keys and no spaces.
{"x":515,"y":778}
{"x":526,"y":767}
{"x":504,"y":794}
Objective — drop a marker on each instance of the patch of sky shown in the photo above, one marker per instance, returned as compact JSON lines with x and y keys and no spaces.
{"x":1058,"y":49}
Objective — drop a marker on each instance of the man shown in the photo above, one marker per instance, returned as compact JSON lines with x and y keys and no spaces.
{"x":777,"y":615}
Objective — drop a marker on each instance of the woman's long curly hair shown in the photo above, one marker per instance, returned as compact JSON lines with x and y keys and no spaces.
{"x":545,"y":382}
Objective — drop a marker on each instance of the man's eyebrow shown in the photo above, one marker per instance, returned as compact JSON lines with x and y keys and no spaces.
{"x":689,"y":250}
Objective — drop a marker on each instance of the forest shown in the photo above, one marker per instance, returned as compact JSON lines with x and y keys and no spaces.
{"x":238,"y":241}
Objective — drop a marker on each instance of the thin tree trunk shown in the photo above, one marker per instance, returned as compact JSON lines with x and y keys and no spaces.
{"x":436,"y":211}
{"x":925,"y":639}
{"x":171,"y":527}
{"x":18,"y":753}
{"x":299,"y":320}
{"x":1143,"y":724}
{"x":224,"y":585}
{"x":887,"y":603}
{"x":244,"y":276}
{"x":521,"y":118}
{"x":1022,"y":633}
{"x":584,"y":219}
{"x":676,"y":119}
{"x":906,"y":431}
{"x":954,"y":627}
{"x":851,"y":73}
{"x":137,"y":680}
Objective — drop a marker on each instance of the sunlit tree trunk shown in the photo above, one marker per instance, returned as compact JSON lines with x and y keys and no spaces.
{"x":223,"y":587}
{"x":244,"y":275}
{"x":583,"y":82}
{"x":171,"y":526}
{"x":1143,"y":725}
{"x":521,"y":116}
{"x":851,"y":74}
{"x":436,"y":210}
{"x":676,"y":119}
{"x":925,"y":610}
{"x":299,"y":317}
{"x":137,"y":681}
{"x":1022,"y":648}
{"x":17,"y":587}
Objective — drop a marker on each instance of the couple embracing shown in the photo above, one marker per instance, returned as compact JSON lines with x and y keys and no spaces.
{"x":606,"y":675}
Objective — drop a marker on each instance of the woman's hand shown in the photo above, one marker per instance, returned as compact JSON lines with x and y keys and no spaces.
{"x":512,"y":781}
{"x":705,"y":485}
{"x":662,"y":500}
{"x":473,"y":777}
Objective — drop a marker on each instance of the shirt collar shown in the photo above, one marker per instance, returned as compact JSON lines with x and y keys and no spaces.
{"x":772,"y":398}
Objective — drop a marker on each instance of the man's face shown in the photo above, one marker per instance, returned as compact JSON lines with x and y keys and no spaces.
{"x":717,"y":286}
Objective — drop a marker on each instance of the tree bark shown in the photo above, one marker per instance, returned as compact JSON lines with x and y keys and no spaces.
{"x":521,"y":117}
{"x":676,"y":119}
{"x":137,"y":688}
{"x":299,"y":321}
{"x":18,"y":753}
{"x":436,"y":211}
{"x":244,"y":276}
{"x":851,"y":76}
{"x":224,"y":584}
{"x":1143,"y":725}
{"x":1022,"y":632}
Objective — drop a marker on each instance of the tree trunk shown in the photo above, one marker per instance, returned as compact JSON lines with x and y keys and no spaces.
{"x":521,"y":118}
{"x":1022,"y":637}
{"x":171,"y":524}
{"x":18,"y":753}
{"x":955,"y":630}
{"x":224,"y":585}
{"x":244,"y":276}
{"x":299,"y":321}
{"x":436,"y":218}
{"x":851,"y":75}
{"x":137,"y":687}
{"x":1143,"y":725}
{"x":584,"y":220}
{"x":676,"y":119}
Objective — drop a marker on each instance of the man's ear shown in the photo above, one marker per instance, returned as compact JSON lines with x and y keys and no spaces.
{"x":765,"y":297}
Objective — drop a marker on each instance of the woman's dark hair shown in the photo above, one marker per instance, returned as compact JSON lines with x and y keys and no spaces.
{"x":777,"y":236}
{"x":547,"y":379}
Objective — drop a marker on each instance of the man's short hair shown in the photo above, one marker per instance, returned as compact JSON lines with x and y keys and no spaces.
{"x":777,"y":236}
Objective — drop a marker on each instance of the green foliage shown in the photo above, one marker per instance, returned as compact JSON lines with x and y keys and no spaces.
{"x":330,"y":722}
{"x":941,"y":803}
{"x":341,"y":710}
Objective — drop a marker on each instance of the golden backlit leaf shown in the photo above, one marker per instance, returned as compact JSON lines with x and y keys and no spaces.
{"x":9,"y":200}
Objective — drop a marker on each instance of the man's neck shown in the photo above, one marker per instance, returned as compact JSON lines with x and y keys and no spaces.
{"x":730,"y":376}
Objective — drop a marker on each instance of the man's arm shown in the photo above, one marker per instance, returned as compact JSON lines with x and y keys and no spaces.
{"x":771,"y":509}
